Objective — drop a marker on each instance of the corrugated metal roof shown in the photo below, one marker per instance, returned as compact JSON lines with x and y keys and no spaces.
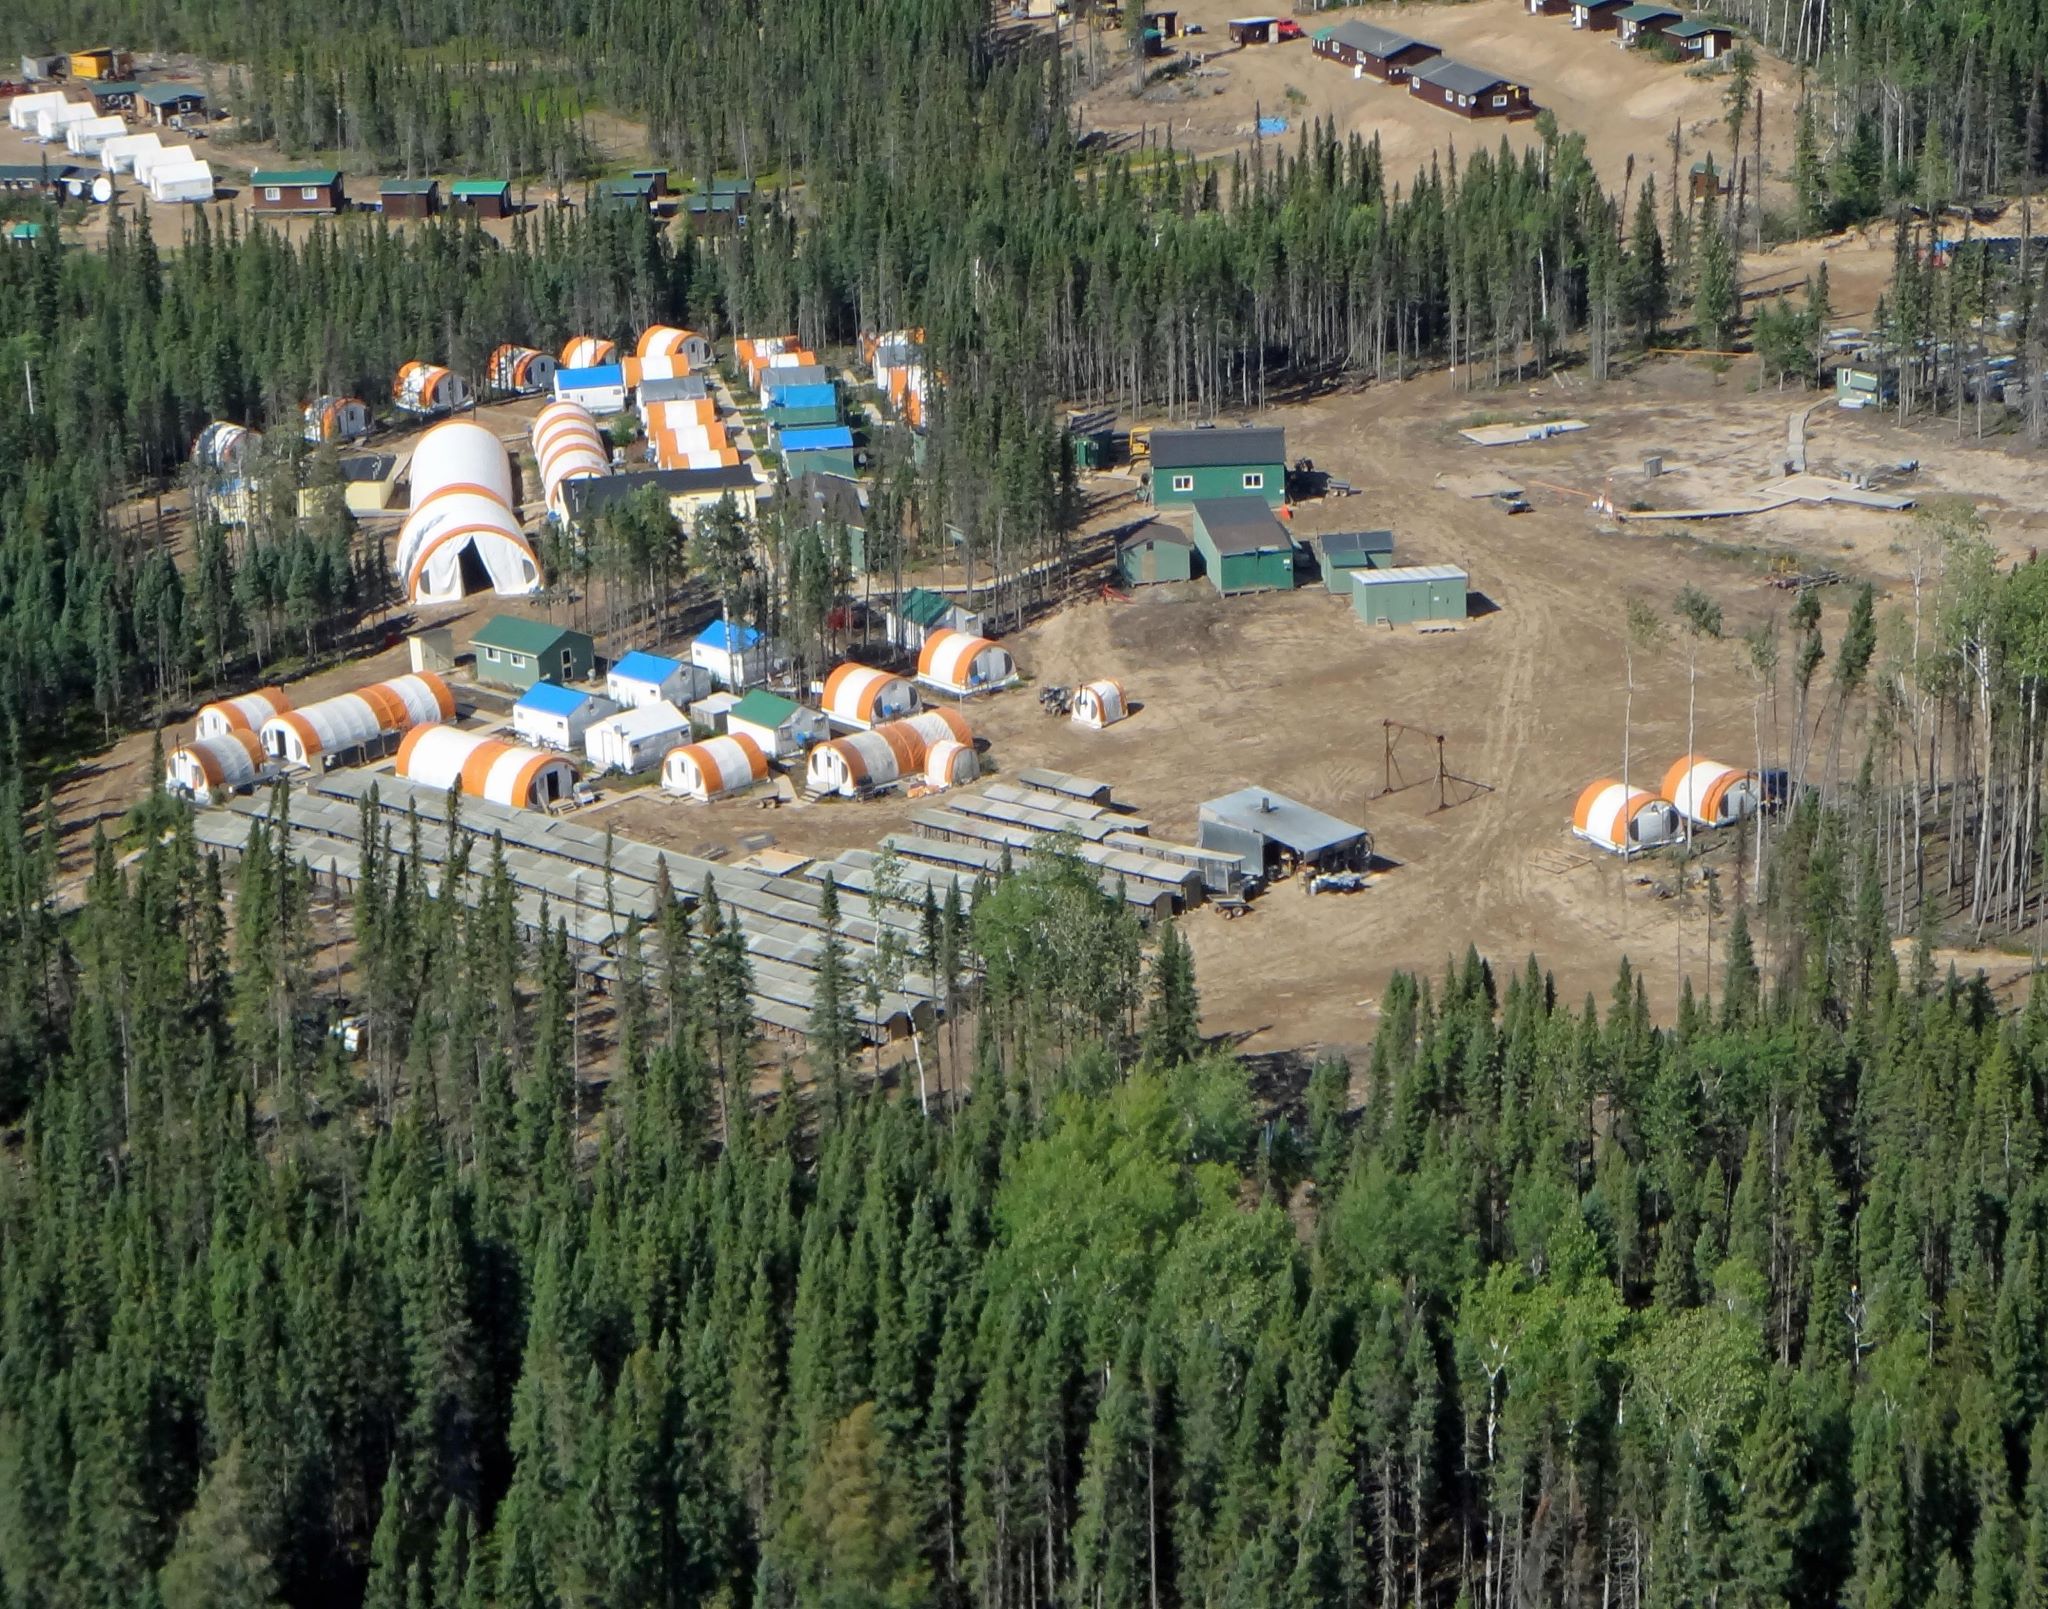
{"x":598,"y":377}
{"x":480,"y":187}
{"x":1241,"y":525}
{"x":290,"y":176}
{"x":1692,"y":28}
{"x":1218,"y":449}
{"x":1644,"y":13}
{"x":408,"y":187}
{"x":1459,"y":79}
{"x":550,"y":699}
{"x":1407,"y":572}
{"x":717,"y":637}
{"x":1284,"y":821}
{"x":641,"y":666}
{"x":923,"y":607}
{"x":820,"y":395}
{"x":763,"y":708}
{"x":1373,"y":40}
{"x":816,"y":438}
{"x":170,"y":94}
{"x":1350,"y":547}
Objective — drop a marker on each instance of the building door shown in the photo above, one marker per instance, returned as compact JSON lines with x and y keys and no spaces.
{"x":568,"y":665}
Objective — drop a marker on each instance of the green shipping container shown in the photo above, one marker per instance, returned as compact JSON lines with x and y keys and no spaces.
{"x":1409,"y":595}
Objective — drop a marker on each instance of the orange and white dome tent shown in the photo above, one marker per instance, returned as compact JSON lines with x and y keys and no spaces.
{"x":1623,"y":820}
{"x":888,"y":753}
{"x":860,"y":695}
{"x":1100,"y":704}
{"x":484,"y":767}
{"x":244,"y":713}
{"x":951,"y":764}
{"x":588,"y":352}
{"x":429,"y":388}
{"x":226,"y":760}
{"x":462,"y":509}
{"x":714,"y":768}
{"x":665,"y":341}
{"x":519,"y":370}
{"x":567,"y":446}
{"x":336,"y":725}
{"x":960,"y":662}
{"x":1709,"y":793}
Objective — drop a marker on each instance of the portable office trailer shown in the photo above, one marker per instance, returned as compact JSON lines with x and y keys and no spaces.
{"x":1410,"y":594}
{"x":246,"y":712}
{"x":462,"y":535}
{"x":1623,"y":820}
{"x":316,"y":733}
{"x":636,"y":739}
{"x":184,"y":181}
{"x":735,"y":657}
{"x":713,"y":768}
{"x":223,"y":762}
{"x":782,"y":727}
{"x":599,"y":388}
{"x":640,"y":678}
{"x":484,"y":767}
{"x":556,"y":717}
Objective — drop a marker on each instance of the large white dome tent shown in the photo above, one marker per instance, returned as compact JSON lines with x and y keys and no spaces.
{"x":224,"y":761}
{"x":462,"y":535}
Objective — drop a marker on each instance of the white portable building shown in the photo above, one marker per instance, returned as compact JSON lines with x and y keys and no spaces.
{"x":226,"y":760}
{"x":713,"y":768}
{"x":957,"y":662}
{"x":245,"y":713}
{"x":118,"y":155}
{"x":557,"y":717}
{"x":1100,"y":704}
{"x":635,"y":740}
{"x":601,"y":387}
{"x":737,"y":657}
{"x":642,"y":678}
{"x":308,"y":737}
{"x":23,"y":110}
{"x":462,"y":533}
{"x":164,"y":156}
{"x":54,"y":122}
{"x":567,"y":446}
{"x":484,"y":767}
{"x":1623,"y":820}
{"x":183,"y":181}
{"x":1709,"y":793}
{"x":89,"y":136}
{"x":895,"y":751}
{"x":861,"y":696}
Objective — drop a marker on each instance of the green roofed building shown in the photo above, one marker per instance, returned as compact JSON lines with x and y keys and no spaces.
{"x":487,"y":198}
{"x":515,"y":652}
{"x":297,"y":190}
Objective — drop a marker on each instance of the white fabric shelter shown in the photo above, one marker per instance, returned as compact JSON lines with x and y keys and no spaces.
{"x":484,"y":767}
{"x":244,"y":713}
{"x":305,"y":737}
{"x":713,"y":768}
{"x":462,"y":534}
{"x":227,"y":760}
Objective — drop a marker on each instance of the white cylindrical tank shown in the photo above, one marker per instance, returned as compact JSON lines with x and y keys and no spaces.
{"x":715,"y":767}
{"x":484,"y":767}
{"x":307,"y":736}
{"x":244,"y":713}
{"x":860,"y":695}
{"x":1710,"y":793}
{"x":1623,"y":820}
{"x":568,"y":446}
{"x":1100,"y":704}
{"x":226,"y":760}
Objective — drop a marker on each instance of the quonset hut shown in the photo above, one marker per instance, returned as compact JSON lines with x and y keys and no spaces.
{"x":462,"y":535}
{"x":861,"y":696}
{"x":309,"y":736}
{"x":713,"y":768}
{"x":1709,"y":793}
{"x":1623,"y":820}
{"x":588,"y":352}
{"x":568,"y":446}
{"x":224,"y":761}
{"x":892,"y":752}
{"x":484,"y":767}
{"x":958,"y":662}
{"x":245,"y":713}
{"x":1100,"y":704}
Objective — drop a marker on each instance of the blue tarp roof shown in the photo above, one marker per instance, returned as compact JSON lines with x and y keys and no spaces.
{"x":805,"y":396}
{"x":641,"y":666}
{"x":813,"y":438}
{"x":604,"y":374}
{"x":552,"y":700}
{"x":713,"y":636}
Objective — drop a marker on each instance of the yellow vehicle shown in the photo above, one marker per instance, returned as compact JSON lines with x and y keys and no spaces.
{"x":1141,"y":443}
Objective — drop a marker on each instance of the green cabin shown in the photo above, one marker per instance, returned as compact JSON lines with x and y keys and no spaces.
{"x":1244,"y":548}
{"x":1338,"y":553}
{"x":1409,"y":595}
{"x":1190,"y":466}
{"x":514,"y":652}
{"x":1155,"y":552}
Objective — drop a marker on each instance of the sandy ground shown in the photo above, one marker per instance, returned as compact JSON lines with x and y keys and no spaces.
{"x":1625,"y":103}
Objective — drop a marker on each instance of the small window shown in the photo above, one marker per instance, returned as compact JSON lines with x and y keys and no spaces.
{"x":1183,"y":483}
{"x":310,"y":192}
{"x":1255,"y":482}
{"x":516,"y":661}
{"x":1500,"y":100}
{"x":272,"y":193}
{"x":491,"y":654}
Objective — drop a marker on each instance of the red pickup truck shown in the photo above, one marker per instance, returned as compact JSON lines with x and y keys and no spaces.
{"x":1285,"y":29}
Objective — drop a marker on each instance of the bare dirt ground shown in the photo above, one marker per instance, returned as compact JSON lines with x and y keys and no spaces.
{"x":1625,"y":103}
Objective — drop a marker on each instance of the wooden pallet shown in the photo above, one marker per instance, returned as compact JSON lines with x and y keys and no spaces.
{"x":1559,"y":861}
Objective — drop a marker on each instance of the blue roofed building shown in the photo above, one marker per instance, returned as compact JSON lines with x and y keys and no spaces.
{"x":601,"y":389}
{"x":552,"y":716}
{"x":817,"y":449}
{"x":734,"y":654}
{"x":640,"y":678}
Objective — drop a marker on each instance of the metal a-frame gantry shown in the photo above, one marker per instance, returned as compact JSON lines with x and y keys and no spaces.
{"x":1451,"y":788}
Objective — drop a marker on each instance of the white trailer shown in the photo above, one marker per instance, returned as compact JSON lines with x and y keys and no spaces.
{"x":637,"y":740}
